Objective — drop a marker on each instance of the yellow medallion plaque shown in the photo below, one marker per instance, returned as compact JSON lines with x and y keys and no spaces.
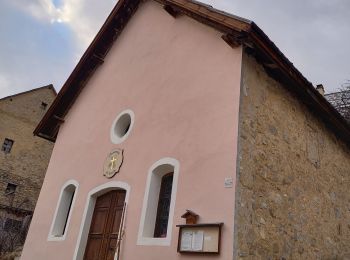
{"x":113,"y":163}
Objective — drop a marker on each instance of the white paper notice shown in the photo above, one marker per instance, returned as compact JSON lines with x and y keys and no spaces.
{"x":197,"y":241}
{"x":207,"y":238}
{"x":186,"y":241}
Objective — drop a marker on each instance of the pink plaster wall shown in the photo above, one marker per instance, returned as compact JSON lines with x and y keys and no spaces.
{"x":182,"y":81}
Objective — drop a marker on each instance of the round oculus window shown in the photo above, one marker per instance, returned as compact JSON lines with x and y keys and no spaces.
{"x":122,"y":126}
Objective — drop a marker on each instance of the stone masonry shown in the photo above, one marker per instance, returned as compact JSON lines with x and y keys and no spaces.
{"x":293,"y":180}
{"x":25,"y":165}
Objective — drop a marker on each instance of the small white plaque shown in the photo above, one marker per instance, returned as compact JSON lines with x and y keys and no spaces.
{"x":228,"y":182}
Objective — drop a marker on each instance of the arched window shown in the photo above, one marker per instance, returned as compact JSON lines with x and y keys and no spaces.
{"x":64,"y":207}
{"x":159,"y":203}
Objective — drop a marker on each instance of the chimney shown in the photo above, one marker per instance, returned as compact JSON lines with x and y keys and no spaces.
{"x":320,"y":89}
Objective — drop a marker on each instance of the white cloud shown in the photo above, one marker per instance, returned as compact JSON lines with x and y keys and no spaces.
{"x":43,"y":10}
{"x":83,"y":17}
{"x":315,"y":41}
{"x":72,"y":13}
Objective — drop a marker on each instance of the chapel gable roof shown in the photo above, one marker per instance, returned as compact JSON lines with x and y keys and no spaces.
{"x":235,"y":31}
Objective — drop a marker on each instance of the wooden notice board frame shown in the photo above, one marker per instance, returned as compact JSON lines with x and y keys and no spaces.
{"x":210,"y":233}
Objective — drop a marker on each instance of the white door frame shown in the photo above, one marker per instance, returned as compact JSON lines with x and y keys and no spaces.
{"x":89,"y":210}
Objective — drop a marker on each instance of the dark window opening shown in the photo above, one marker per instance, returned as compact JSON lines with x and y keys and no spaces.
{"x":11,"y":188}
{"x":59,"y":227}
{"x":161,"y":225}
{"x":12,"y":225}
{"x":69,"y":208}
{"x":127,"y":127}
{"x":43,"y":105}
{"x":122,"y":126}
{"x":7,"y":145}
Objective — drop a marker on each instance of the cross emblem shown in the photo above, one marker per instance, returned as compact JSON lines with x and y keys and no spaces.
{"x":112,"y":162}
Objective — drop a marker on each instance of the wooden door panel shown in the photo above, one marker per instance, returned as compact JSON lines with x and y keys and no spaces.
{"x":104,"y":229}
{"x":104,"y":201}
{"x":113,"y":244}
{"x":111,"y":251}
{"x":93,"y":249}
{"x":121,"y":199}
{"x":99,"y":221}
{"x":117,"y":219}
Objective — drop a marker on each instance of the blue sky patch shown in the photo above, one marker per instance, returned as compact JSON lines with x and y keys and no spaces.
{"x":57,"y":3}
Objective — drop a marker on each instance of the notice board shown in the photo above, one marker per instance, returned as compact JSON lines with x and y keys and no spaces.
{"x":200,"y":238}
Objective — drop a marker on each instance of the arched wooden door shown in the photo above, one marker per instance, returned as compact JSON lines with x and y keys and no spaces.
{"x":105,"y":223}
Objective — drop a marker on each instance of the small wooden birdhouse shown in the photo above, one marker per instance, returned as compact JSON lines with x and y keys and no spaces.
{"x":191,"y":217}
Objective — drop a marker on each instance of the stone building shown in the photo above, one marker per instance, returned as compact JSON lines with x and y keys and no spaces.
{"x":178,"y":110}
{"x":293,"y":176}
{"x":341,"y":101}
{"x":23,"y":161}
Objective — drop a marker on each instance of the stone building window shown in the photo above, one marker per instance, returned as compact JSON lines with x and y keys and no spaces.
{"x":10,"y":188}
{"x":12,"y":225}
{"x":7,"y":145}
{"x":43,"y":105}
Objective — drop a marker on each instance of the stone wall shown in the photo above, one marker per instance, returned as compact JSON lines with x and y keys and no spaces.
{"x":294,"y":177}
{"x":26,"y":164}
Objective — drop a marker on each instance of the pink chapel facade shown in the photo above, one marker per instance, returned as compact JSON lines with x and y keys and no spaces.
{"x":178,"y":109}
{"x":185,"y":103}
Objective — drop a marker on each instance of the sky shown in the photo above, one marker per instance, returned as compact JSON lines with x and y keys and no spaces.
{"x":41,"y":41}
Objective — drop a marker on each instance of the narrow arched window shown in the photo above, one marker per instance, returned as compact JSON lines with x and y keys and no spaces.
{"x":63,"y":211}
{"x":161,"y":225}
{"x":156,"y":223}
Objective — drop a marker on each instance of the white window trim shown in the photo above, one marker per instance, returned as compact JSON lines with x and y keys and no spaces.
{"x":152,"y":241}
{"x":51,"y":237}
{"x":114,"y":137}
{"x":89,"y":210}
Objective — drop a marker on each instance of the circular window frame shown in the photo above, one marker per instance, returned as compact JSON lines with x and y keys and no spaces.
{"x":115,"y":137}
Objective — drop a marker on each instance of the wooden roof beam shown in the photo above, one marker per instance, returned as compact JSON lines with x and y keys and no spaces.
{"x":99,"y":59}
{"x":59,"y":119}
{"x":231,"y":40}
{"x":171,"y":10}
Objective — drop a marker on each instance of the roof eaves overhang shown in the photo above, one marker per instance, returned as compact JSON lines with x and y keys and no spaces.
{"x":222,"y":21}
